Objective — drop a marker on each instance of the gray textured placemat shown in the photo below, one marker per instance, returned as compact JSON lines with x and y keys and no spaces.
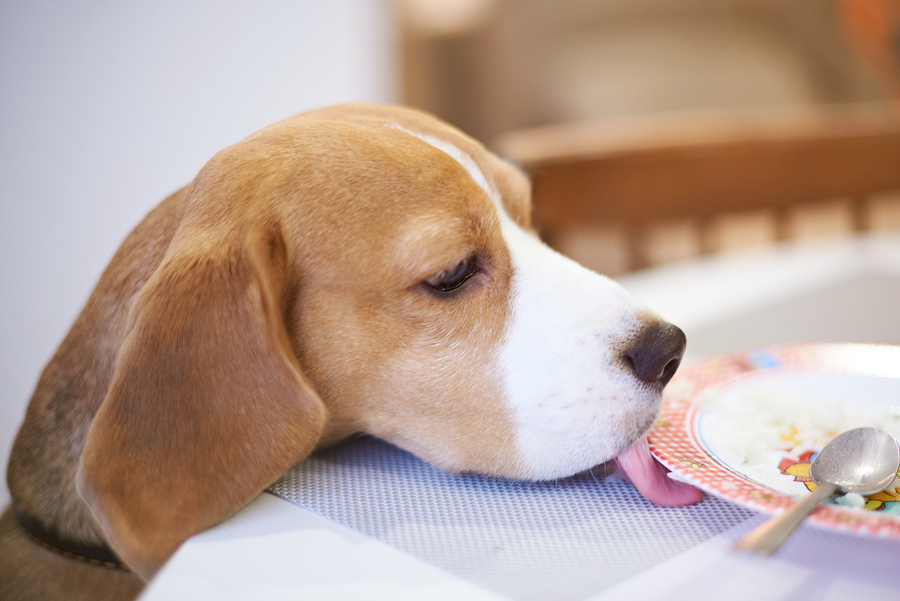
{"x":566,"y":540}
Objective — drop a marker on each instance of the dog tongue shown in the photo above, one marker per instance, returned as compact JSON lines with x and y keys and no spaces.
{"x":651,"y":479}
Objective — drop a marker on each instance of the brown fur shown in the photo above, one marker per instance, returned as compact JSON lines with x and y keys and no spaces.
{"x":273,"y":306}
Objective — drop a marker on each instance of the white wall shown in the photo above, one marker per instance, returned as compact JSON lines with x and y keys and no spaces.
{"x":106,"y":107}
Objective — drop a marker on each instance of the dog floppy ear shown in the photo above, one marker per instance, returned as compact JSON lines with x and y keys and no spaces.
{"x":207,"y":405}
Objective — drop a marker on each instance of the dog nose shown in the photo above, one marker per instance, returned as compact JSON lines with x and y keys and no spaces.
{"x":655,"y":353}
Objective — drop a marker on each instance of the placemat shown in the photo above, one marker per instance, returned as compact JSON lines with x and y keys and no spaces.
{"x":566,"y":539}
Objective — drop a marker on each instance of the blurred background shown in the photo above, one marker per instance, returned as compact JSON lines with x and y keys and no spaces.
{"x":655,"y":130}
{"x":659,"y":130}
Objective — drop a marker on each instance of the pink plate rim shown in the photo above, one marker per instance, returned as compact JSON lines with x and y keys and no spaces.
{"x":674,"y":441}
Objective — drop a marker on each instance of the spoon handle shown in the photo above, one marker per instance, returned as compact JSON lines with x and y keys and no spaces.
{"x":767,"y":537}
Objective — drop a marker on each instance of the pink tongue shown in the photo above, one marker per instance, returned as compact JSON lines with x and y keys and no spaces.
{"x":649,"y":477}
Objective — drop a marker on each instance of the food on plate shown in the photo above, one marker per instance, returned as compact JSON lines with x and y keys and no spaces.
{"x":760,"y":428}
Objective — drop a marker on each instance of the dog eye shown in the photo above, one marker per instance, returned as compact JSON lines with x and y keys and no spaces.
{"x":451,"y":279}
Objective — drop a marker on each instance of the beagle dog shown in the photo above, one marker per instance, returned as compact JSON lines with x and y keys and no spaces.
{"x":353,"y":269}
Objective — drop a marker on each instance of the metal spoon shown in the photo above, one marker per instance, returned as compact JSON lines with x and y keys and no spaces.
{"x":862,"y":461}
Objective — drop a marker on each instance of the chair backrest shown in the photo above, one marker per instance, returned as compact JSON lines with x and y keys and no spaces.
{"x":700,"y":168}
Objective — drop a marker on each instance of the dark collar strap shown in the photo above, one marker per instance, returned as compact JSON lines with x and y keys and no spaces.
{"x":96,"y":555}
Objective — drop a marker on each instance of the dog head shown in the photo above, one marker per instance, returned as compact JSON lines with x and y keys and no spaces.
{"x":359,"y":269}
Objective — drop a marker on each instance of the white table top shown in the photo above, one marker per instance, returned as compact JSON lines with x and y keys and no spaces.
{"x":836,"y":291}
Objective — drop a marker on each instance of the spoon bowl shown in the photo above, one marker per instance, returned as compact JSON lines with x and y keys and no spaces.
{"x":862,"y":461}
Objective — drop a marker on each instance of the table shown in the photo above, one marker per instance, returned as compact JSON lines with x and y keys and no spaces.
{"x":591,"y":537}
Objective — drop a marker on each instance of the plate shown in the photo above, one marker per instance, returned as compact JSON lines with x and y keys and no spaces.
{"x":708,"y":403}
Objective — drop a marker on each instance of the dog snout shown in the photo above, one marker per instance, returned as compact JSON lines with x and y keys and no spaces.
{"x":655,"y":353}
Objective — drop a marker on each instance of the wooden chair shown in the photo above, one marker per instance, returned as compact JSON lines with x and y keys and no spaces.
{"x":705,"y":175}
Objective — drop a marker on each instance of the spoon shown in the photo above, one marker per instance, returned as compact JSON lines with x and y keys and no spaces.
{"x":862,"y":461}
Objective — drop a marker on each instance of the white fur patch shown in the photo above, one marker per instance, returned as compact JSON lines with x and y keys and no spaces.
{"x":576,"y":405}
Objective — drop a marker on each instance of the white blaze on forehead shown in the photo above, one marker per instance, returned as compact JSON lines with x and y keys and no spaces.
{"x":465,"y":162}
